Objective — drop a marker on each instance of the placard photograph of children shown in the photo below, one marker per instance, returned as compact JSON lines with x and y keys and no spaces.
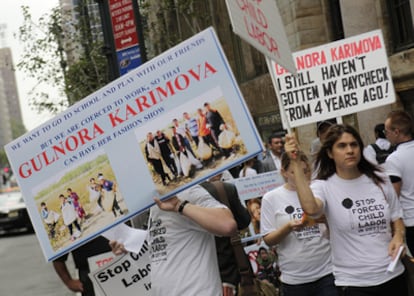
{"x":80,"y":200}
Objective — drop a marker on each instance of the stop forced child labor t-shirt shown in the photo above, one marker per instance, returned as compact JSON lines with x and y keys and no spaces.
{"x":359,"y":214}
{"x":183,"y":254}
{"x":304,"y":255}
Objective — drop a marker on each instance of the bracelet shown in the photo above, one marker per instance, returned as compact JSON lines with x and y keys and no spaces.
{"x":182,"y":205}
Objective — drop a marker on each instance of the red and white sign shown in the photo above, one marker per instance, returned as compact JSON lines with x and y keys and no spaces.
{"x":123,"y":23}
{"x":259,"y":23}
{"x":335,"y":79}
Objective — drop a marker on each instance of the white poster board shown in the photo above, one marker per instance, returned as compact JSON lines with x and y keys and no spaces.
{"x":124,"y":275}
{"x":103,"y":149}
{"x":335,"y":79}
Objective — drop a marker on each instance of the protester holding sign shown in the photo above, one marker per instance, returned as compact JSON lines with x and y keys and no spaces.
{"x":362,"y":210}
{"x":303,"y":245}
{"x":181,"y":234}
{"x":80,"y":256}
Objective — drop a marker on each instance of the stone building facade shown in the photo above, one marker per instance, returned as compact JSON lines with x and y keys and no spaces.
{"x":308,"y":23}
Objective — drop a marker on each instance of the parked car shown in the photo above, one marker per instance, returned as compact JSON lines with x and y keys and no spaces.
{"x":13,"y":212}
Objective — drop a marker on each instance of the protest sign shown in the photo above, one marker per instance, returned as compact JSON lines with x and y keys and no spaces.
{"x":259,"y":23}
{"x":335,"y":79}
{"x":263,"y":260}
{"x":118,"y":148}
{"x":97,"y":262}
{"x":124,"y":275}
{"x":256,"y":186}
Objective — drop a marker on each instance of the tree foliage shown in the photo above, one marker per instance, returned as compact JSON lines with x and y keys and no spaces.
{"x":4,"y":162}
{"x":168,"y":22}
{"x":64,"y":54}
{"x":61,"y":54}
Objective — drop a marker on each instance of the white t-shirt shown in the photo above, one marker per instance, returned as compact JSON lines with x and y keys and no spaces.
{"x":400,"y":164}
{"x":277,"y":161}
{"x":359,"y":220}
{"x":304,"y":256}
{"x":183,"y":254}
{"x":369,"y":151}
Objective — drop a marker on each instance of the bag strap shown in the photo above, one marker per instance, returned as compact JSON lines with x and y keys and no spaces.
{"x":245,"y":269}
{"x":376,"y":148}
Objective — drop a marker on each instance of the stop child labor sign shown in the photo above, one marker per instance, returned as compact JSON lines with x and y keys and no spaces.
{"x":335,"y":79}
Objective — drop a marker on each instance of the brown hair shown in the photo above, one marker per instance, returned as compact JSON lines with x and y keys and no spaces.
{"x":255,"y":223}
{"x":285,"y":160}
{"x":327,"y":165}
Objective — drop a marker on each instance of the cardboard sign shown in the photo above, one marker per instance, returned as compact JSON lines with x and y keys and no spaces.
{"x":259,"y":23}
{"x":97,"y":262}
{"x":104,"y":148}
{"x":335,"y":79}
{"x":125,"y":275}
{"x":256,"y":186}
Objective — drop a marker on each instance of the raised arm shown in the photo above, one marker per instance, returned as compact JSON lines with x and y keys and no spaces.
{"x":311,"y":205}
{"x":218,"y":221}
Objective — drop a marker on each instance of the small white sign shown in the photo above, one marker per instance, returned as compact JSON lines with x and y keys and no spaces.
{"x":259,"y":23}
{"x":256,"y":186}
{"x":124,"y":275}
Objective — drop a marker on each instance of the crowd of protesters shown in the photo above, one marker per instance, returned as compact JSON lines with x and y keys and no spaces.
{"x":332,"y":229}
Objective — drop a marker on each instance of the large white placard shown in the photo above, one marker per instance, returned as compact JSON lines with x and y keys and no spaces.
{"x":104,"y":149}
{"x":335,"y":79}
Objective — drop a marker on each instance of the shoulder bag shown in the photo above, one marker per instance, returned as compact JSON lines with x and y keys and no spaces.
{"x":249,"y":285}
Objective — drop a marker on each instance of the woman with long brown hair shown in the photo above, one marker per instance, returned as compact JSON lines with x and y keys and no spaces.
{"x":362,"y":210}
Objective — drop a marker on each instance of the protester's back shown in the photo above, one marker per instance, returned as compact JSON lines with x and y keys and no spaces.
{"x":381,"y":154}
{"x":378,"y":152}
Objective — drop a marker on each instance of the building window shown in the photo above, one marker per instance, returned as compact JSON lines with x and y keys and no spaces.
{"x":401,"y":24}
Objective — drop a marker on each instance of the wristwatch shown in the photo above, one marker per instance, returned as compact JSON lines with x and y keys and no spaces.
{"x":182,"y":205}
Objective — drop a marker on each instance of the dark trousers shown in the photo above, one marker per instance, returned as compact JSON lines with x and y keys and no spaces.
{"x":323,"y":287}
{"x":115,"y":207}
{"x":157,"y":164}
{"x":87,"y":283}
{"x":395,"y":286}
{"x":70,"y":226}
{"x":170,"y":163}
{"x":196,"y":140}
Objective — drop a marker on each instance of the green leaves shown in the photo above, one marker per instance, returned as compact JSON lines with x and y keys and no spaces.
{"x":60,"y":54}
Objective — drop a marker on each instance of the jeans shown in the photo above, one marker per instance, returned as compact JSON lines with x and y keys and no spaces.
{"x":395,"y":286}
{"x":323,"y":287}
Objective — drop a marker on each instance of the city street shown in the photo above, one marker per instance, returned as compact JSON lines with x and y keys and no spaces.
{"x":24,"y":270}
